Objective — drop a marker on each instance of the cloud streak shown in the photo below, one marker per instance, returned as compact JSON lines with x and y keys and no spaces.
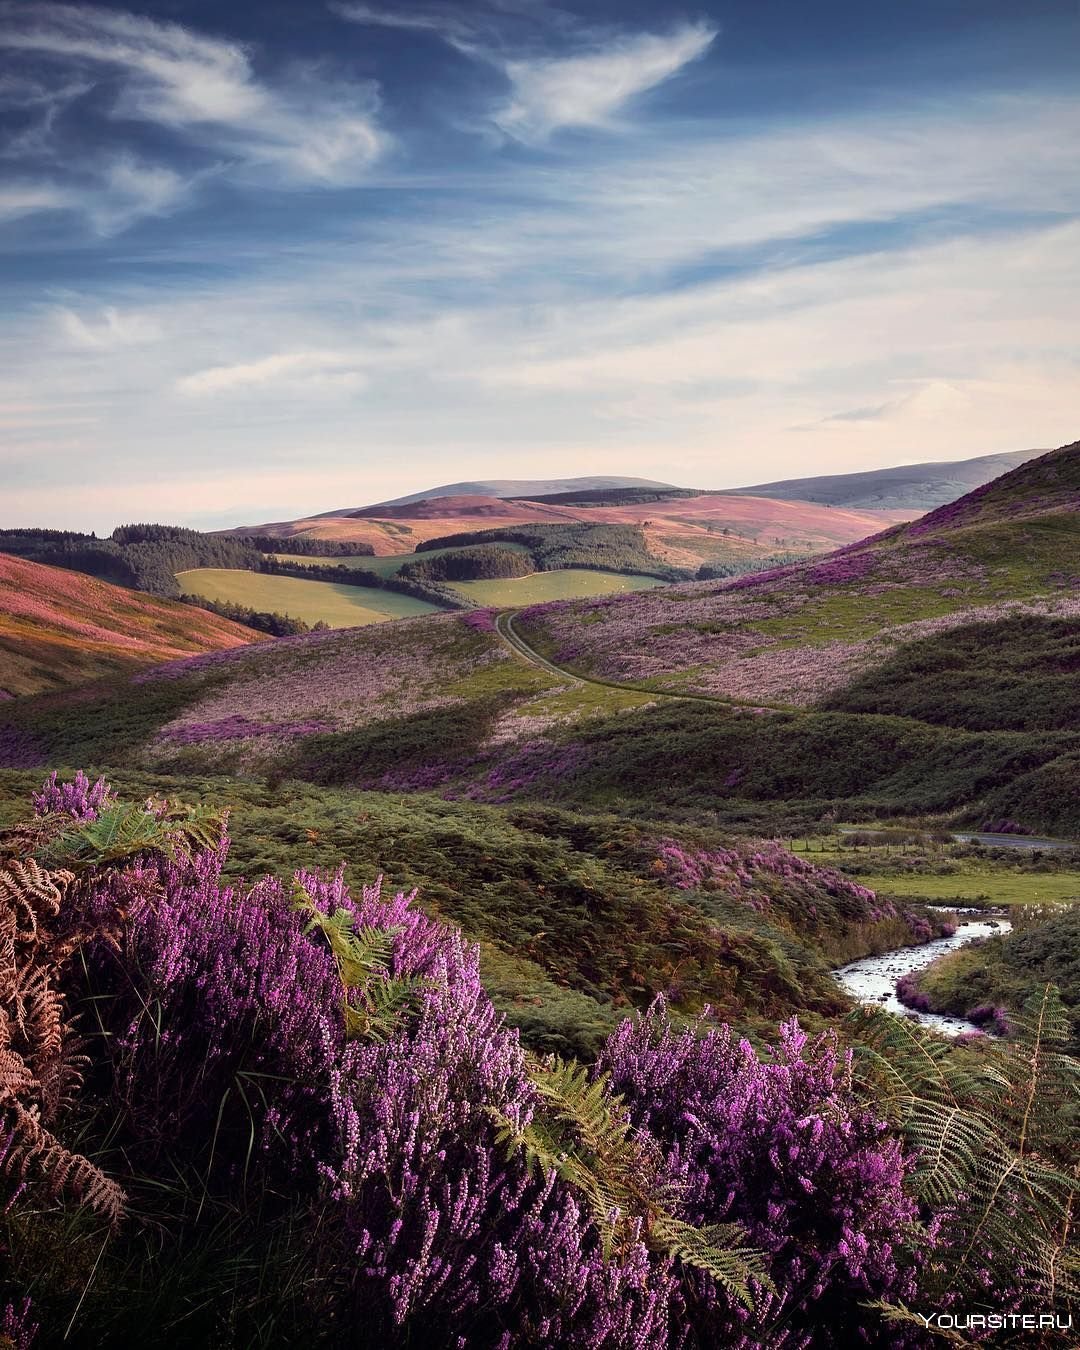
{"x":587,"y":83}
{"x":588,"y":89}
{"x":302,"y":128}
{"x":328,"y":369}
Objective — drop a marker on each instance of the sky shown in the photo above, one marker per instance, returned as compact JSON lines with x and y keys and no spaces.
{"x":276,"y":257}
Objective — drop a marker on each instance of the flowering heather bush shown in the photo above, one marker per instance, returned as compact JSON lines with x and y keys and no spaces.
{"x":992,"y":1016}
{"x":337,"y":1053}
{"x":17,"y":1331}
{"x":767,"y":877}
{"x":827,"y":1202}
{"x":480,"y":620}
{"x":77,"y":799}
{"x":838,"y":571}
{"x":909,"y":993}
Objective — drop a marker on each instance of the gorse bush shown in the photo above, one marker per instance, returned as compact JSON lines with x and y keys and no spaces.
{"x":295,"y":1077}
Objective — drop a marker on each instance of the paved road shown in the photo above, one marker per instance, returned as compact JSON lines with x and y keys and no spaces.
{"x":1013,"y":841}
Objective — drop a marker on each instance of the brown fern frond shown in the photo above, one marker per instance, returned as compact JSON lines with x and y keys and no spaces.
{"x":60,"y":1168}
{"x":32,"y":893}
{"x":40,"y":1011}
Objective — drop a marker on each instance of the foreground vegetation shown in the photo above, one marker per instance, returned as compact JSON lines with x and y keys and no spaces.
{"x":579,"y":918}
{"x":300,"y":1115}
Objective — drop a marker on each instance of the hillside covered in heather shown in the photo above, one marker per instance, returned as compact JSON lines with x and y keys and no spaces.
{"x":928,"y":669}
{"x":472,"y":977}
{"x":295,"y":1111}
{"x":795,"y":635}
{"x":61,"y":628}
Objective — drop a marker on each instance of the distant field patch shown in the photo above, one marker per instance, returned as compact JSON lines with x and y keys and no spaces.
{"x":312,"y":601}
{"x":1003,"y":889}
{"x":570,"y":583}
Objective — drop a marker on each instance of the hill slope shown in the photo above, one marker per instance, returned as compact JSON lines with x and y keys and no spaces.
{"x":682,"y":532}
{"x":914,"y":487}
{"x":59,"y":627}
{"x":796,"y":634}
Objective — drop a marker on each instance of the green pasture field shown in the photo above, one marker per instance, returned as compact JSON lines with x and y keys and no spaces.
{"x":312,"y":601}
{"x":569,"y":583}
{"x":1000,"y":888}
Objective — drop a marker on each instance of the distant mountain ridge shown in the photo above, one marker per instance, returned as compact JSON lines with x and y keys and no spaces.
{"x":514,"y":487}
{"x":915,"y":487}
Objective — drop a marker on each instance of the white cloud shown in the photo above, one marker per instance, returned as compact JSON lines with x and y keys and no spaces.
{"x":586,"y":85}
{"x":328,"y":369}
{"x":587,"y":89}
{"x":108,"y":331}
{"x":306,"y":127}
{"x":27,"y":198}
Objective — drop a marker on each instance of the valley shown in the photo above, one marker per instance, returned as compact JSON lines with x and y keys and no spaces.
{"x":529,"y":788}
{"x":539,"y":675}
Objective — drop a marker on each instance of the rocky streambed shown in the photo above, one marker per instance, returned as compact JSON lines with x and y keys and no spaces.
{"x":873,"y":979}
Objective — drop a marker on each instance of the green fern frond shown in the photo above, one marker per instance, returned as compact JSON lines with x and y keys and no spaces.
{"x":995,"y":1140}
{"x":374,"y":1002}
{"x":581,"y":1133}
{"x":122,"y":831}
{"x":717,"y":1251}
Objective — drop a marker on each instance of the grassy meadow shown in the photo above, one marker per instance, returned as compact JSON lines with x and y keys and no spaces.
{"x":997,"y":888}
{"x":313,"y":601}
{"x":568,"y":583}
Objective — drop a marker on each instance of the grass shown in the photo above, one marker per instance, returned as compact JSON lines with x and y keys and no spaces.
{"x":569,"y":583}
{"x":312,"y":601}
{"x":1000,"y":888}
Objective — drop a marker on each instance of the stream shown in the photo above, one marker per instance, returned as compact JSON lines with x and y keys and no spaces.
{"x":873,"y":979}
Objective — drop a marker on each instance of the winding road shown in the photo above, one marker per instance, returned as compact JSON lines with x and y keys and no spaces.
{"x":504,"y":626}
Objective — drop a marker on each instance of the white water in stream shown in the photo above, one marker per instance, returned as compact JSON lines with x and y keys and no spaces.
{"x":873,"y":979}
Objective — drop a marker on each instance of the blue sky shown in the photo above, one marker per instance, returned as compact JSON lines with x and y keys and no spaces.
{"x":261,"y":259}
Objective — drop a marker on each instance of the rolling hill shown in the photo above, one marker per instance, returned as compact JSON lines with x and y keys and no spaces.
{"x":801,"y":714}
{"x":682,"y":532}
{"x":794,"y":635}
{"x":59,"y":627}
{"x":907,"y":487}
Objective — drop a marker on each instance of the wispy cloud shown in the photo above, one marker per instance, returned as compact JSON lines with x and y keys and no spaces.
{"x":25,"y":199}
{"x":328,"y":369}
{"x":588,"y":89}
{"x":107,"y":331}
{"x":591,"y":76}
{"x":303,"y":126}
